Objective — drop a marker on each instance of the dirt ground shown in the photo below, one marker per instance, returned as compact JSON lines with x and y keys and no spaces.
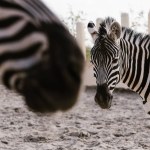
{"x":85,"y":127}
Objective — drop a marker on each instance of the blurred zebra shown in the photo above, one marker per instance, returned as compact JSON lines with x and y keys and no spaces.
{"x":120,"y":54}
{"x":39,"y":58}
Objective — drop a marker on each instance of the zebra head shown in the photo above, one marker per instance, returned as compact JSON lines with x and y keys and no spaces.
{"x":39,"y":58}
{"x":105,"y":59}
{"x":48,"y":77}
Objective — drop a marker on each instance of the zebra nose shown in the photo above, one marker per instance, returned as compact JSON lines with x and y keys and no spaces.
{"x":103,"y":96}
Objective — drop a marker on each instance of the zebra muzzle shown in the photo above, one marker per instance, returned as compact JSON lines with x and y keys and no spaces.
{"x":103,"y":97}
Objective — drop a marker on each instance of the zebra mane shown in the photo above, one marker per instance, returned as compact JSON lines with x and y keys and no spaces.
{"x":105,"y":26}
{"x":137,"y":35}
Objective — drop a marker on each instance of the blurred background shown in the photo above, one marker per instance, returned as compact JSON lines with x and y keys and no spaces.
{"x":73,"y":11}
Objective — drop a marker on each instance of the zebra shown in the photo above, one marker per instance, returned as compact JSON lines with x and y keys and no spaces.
{"x":120,"y":54}
{"x":39,"y":58}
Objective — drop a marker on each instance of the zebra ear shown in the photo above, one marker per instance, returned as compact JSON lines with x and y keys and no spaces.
{"x":92,"y":30}
{"x":115,"y":31}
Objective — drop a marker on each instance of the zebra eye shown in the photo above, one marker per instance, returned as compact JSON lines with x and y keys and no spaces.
{"x":115,"y":61}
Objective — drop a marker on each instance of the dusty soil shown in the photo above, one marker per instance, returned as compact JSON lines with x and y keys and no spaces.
{"x":85,"y":127}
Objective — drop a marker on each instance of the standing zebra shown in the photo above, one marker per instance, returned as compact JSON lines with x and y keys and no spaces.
{"x":120,"y":54}
{"x":38,"y":56}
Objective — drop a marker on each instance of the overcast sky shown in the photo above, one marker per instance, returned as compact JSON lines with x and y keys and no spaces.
{"x":98,"y":8}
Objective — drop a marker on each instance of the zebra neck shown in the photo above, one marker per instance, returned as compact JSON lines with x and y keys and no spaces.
{"x":135,"y":61}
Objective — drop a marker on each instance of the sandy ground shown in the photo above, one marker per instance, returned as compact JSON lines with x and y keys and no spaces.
{"x":85,"y":127}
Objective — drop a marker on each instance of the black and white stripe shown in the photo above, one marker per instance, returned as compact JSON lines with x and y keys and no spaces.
{"x":38,"y":56}
{"x":124,"y":58}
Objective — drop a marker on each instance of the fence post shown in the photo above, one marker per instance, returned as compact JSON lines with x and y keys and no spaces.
{"x":80,"y":36}
{"x":124,"y":19}
{"x":98,"y":21}
{"x":149,"y":22}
